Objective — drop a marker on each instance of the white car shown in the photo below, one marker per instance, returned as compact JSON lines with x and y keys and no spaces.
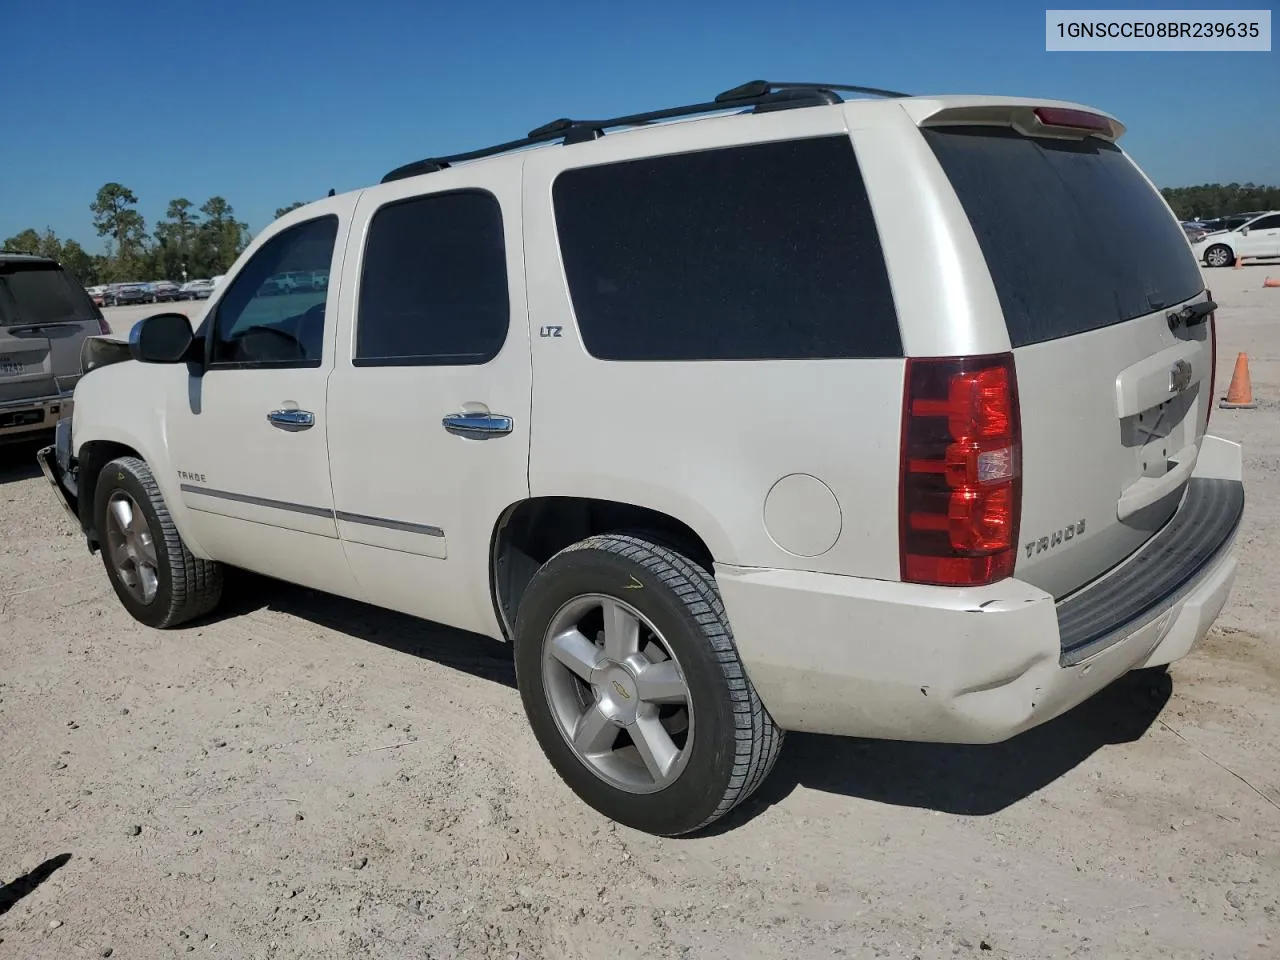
{"x":808,"y":414}
{"x":1258,"y":237}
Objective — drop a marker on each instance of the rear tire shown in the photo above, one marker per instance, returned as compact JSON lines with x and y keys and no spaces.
{"x":1219,"y":255}
{"x":623,"y":646}
{"x":156,"y":577}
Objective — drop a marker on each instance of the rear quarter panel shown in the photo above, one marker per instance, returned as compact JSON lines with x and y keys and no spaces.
{"x":705,"y":442}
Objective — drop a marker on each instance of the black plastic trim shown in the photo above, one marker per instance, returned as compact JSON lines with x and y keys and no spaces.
{"x":1155,"y":578}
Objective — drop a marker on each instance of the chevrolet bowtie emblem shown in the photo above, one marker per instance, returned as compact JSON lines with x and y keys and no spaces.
{"x":1179,"y":376}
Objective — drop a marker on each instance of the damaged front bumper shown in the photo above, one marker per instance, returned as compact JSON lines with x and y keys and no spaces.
{"x":59,"y":468}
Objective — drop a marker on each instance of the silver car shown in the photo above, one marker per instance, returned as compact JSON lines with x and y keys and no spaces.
{"x":45,"y":317}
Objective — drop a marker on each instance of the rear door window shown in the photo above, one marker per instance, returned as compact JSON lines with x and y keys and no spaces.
{"x":433,"y":289}
{"x":1074,"y":236}
{"x":757,"y":252}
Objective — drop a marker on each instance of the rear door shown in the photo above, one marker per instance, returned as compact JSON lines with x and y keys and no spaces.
{"x":429,"y":400}
{"x":1088,"y":262}
{"x":44,"y":317}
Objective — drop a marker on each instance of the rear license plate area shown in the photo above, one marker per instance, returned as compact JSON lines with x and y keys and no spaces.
{"x":21,"y":418}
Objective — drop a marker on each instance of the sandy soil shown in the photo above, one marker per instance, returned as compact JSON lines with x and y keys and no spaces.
{"x":306,"y":777}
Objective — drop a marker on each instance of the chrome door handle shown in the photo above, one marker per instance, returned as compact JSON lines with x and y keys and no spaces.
{"x":292,"y":420}
{"x":478,"y":426}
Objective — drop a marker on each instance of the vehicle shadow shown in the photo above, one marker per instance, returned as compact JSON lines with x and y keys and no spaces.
{"x":477,"y":655}
{"x":962,"y":779}
{"x":11,"y":893}
{"x":18,"y":461}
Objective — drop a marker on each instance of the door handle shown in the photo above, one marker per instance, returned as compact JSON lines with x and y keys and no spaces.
{"x":292,"y":420}
{"x":478,"y":426}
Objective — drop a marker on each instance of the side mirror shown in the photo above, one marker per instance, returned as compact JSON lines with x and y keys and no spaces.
{"x":161,"y":338}
{"x":1244,"y":231}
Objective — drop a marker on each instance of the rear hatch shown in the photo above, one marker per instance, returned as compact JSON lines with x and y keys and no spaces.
{"x":45,"y":316}
{"x":1088,"y":262}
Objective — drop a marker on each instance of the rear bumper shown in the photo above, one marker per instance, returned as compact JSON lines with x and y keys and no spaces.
{"x":58,"y":467}
{"x":21,"y":418}
{"x":899,"y":661}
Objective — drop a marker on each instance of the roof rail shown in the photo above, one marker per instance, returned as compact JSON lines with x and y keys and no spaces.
{"x":761,"y":95}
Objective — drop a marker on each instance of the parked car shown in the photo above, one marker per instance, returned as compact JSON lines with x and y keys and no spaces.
{"x":1221,"y":224}
{"x":195,"y":290}
{"x":1256,"y":237}
{"x":97,"y":294}
{"x":908,"y":462}
{"x":126,"y":293}
{"x":162,"y":291}
{"x":1194,"y":232}
{"x":45,"y":316}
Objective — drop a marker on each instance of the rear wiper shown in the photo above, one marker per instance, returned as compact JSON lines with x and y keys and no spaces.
{"x":1191,"y":314}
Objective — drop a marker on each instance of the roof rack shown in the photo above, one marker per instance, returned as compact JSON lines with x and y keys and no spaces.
{"x":760,"y":95}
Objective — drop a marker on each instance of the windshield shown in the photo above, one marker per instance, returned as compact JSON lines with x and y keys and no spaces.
{"x":41,"y":293}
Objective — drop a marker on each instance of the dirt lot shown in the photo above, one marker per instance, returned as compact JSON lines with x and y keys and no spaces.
{"x":306,"y":777}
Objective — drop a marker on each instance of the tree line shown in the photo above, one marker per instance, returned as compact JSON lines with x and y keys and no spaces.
{"x":1210,"y":200}
{"x":193,"y":241}
{"x":204,"y":241}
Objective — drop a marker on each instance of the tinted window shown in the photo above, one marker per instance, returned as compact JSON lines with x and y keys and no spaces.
{"x":434,"y":283}
{"x":41,"y":293}
{"x":1266,"y":223}
{"x":766,"y":251}
{"x":1074,"y":236}
{"x":267,"y":316}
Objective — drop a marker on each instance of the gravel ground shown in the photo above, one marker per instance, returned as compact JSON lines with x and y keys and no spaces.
{"x":306,"y":777}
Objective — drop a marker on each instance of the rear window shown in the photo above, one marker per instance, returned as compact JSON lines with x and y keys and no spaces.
{"x":41,"y":293}
{"x":764,"y":251}
{"x":1074,"y":236}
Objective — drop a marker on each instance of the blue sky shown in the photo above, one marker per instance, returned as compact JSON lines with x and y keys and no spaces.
{"x":271,"y":101}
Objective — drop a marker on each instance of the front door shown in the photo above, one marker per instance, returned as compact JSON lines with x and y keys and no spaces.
{"x":429,"y":410}
{"x":247,"y":435}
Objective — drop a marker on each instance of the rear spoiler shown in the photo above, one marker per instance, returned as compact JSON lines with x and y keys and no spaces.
{"x":1032,"y":118}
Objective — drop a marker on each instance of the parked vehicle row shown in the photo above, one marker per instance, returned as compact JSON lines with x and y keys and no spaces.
{"x":157,"y":291}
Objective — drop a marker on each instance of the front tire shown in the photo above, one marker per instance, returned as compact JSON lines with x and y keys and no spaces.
{"x":1219,"y":255}
{"x":156,"y":577}
{"x":634,"y":689}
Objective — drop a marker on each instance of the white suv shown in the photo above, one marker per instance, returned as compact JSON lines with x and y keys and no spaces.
{"x":1257,"y":237}
{"x":881,"y":418}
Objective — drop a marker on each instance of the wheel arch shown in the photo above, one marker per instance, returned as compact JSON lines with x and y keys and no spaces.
{"x":92,"y":457}
{"x":529,"y":532}
{"x":1212,"y":244}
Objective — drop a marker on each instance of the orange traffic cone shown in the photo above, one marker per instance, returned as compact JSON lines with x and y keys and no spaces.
{"x":1240,"y":392}
{"x":1270,"y":282}
{"x":1239,"y":263}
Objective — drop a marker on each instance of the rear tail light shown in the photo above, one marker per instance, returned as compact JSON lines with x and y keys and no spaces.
{"x":104,"y":328}
{"x":961,"y":470}
{"x":1213,"y":362}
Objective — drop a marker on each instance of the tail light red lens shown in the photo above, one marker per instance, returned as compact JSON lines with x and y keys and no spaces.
{"x":961,"y":470}
{"x":1213,"y":362}
{"x":1077,"y":119}
{"x":104,"y":328}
